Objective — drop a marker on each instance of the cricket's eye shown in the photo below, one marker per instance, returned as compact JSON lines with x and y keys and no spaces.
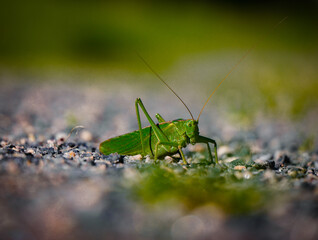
{"x":190,"y":124}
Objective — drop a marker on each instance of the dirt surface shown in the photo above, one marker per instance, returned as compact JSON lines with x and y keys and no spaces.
{"x":56,"y":186}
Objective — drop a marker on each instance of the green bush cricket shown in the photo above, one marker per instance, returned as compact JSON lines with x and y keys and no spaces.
{"x":167,"y":137}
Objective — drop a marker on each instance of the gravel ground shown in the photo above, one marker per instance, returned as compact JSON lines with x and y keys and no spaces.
{"x":55,"y":186}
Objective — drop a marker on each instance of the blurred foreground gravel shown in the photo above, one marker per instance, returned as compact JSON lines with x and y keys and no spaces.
{"x":55,"y":186}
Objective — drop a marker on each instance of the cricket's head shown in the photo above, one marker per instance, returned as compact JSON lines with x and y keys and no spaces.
{"x":192,"y":130}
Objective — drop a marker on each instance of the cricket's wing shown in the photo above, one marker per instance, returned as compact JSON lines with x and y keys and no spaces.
{"x":127,"y":144}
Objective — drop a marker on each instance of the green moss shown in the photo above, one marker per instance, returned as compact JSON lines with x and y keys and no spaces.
{"x":200,"y":184}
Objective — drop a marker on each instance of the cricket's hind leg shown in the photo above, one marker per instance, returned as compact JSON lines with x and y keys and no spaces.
{"x":157,"y":131}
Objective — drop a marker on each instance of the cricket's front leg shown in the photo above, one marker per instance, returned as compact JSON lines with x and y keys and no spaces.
{"x":206,"y":140}
{"x":182,"y":155}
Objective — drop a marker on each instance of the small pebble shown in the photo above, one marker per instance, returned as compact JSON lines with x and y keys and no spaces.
{"x":69,"y":155}
{"x":30,"y":151}
{"x":169,"y":159}
{"x":86,"y":136}
{"x":149,"y":160}
{"x":239,"y":167}
{"x":50,"y":143}
{"x":136,"y":157}
{"x":60,"y":138}
{"x":225,"y":149}
{"x":230,"y":159}
{"x":264,"y":158}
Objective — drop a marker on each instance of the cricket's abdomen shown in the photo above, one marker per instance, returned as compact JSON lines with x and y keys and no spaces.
{"x":130,"y":144}
{"x":127,"y":144}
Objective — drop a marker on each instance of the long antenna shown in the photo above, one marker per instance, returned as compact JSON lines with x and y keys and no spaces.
{"x":160,"y":78}
{"x":234,"y":67}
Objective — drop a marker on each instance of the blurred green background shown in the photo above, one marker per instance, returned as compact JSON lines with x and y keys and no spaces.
{"x":101,"y":37}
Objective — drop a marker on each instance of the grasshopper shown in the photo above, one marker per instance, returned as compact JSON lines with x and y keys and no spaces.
{"x":163,"y":139}
{"x":167,"y":137}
